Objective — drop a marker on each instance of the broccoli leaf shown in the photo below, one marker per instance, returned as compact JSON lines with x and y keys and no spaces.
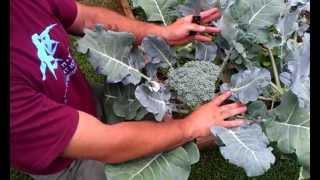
{"x":228,"y":25}
{"x":158,"y":53}
{"x":171,"y":165}
{"x":136,"y":60}
{"x":205,"y":51}
{"x":126,"y":108}
{"x":287,"y":24}
{"x":158,"y":50}
{"x":297,"y":2}
{"x":193,"y":152}
{"x":120,"y":103}
{"x":154,"y":102}
{"x":157,"y":10}
{"x":247,"y":85}
{"x":256,"y":14}
{"x":252,"y":17}
{"x":189,"y":7}
{"x":291,"y":129}
{"x":109,"y":53}
{"x":296,"y":74}
{"x":194,"y":82}
{"x":246,"y":147}
{"x":257,"y":110}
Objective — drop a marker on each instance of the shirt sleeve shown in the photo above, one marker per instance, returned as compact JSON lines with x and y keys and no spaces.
{"x":65,"y":11}
{"x":40,"y":128}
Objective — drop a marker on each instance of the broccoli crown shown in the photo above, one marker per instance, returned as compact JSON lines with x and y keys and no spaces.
{"x":194,"y":82}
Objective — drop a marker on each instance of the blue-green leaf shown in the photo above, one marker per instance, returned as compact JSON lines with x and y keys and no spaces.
{"x":247,"y":147}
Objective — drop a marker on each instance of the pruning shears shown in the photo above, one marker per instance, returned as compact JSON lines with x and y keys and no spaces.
{"x":196,"y":18}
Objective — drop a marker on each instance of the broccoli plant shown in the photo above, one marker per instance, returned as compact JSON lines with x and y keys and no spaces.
{"x":262,"y":56}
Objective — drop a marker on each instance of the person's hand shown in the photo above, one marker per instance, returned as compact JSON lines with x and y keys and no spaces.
{"x":178,"y":32}
{"x":211,"y":114}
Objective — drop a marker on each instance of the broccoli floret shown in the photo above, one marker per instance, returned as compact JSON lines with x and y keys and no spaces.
{"x":194,"y":82}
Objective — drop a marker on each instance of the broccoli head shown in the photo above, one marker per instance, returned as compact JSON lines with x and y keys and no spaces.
{"x":194,"y":82}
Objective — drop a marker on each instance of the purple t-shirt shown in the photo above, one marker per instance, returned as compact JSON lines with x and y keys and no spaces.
{"x":46,"y":86}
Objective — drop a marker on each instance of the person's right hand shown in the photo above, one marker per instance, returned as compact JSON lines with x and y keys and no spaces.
{"x":211,"y":114}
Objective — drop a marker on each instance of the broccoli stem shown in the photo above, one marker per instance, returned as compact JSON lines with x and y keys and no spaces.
{"x":275,"y":71}
{"x":225,"y":62}
{"x":265,"y":98}
{"x":276,"y":87}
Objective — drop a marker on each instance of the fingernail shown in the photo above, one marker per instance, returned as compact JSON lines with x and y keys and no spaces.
{"x":202,"y":28}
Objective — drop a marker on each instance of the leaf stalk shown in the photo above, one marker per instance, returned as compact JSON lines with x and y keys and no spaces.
{"x":275,"y":71}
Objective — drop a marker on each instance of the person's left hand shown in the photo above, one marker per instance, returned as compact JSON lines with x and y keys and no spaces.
{"x":178,"y":32}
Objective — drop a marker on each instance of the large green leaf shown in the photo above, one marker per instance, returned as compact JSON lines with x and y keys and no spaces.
{"x":155,"y":102}
{"x":256,"y":14}
{"x":246,"y":147}
{"x":296,"y":73}
{"x":227,"y":24}
{"x":257,"y":110}
{"x":121,"y":104}
{"x":190,"y":7}
{"x":291,"y":129}
{"x":287,"y":23}
{"x":157,"y":10}
{"x":193,"y":152}
{"x":158,"y":54}
{"x":109,"y":54}
{"x":205,"y":51}
{"x":136,"y":60}
{"x":248,"y":85}
{"x":171,"y":165}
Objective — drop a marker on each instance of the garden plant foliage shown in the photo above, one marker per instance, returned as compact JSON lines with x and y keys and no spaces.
{"x":262,"y":56}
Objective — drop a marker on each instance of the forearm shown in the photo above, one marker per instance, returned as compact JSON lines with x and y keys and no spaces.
{"x":144,"y":138}
{"x":124,"y":141}
{"x":90,"y":16}
{"x":129,"y":140}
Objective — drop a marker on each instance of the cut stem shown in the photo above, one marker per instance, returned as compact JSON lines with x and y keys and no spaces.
{"x":265,"y":98}
{"x":272,"y":104}
{"x":275,"y":71}
{"x":276,"y":87}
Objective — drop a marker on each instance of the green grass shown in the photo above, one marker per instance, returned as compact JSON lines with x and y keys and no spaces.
{"x":212,"y":165}
{"x":84,"y":64}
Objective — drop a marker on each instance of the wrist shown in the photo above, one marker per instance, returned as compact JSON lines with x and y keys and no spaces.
{"x":187,"y":130}
{"x":157,"y":30}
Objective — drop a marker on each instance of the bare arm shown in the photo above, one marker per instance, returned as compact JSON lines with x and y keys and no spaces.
{"x":176,"y":33}
{"x":122,"y":141}
{"x":130,"y":140}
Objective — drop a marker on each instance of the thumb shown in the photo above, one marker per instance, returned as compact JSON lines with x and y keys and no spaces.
{"x":232,"y":123}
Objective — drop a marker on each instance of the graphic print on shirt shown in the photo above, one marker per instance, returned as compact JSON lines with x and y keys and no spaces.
{"x":46,"y":49}
{"x":69,"y":68}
